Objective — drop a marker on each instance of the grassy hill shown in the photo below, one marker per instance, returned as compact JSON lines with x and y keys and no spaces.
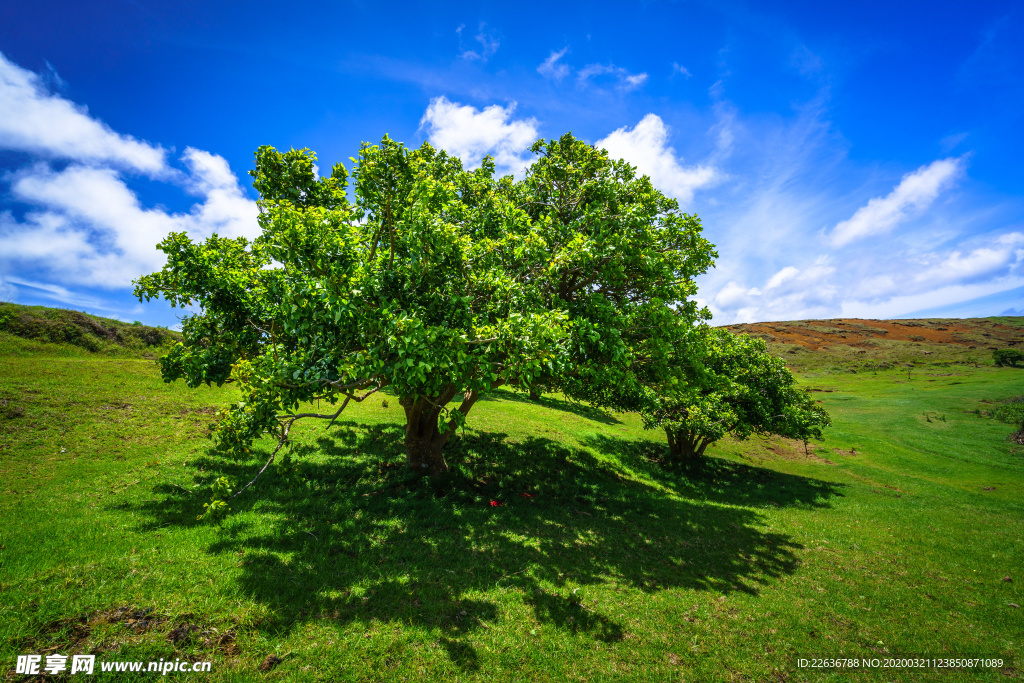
{"x":851,"y":343}
{"x":562,"y":548}
{"x":38,"y":330}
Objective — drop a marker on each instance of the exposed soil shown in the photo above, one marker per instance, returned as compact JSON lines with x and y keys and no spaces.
{"x":74,"y":634}
{"x":821,"y":334}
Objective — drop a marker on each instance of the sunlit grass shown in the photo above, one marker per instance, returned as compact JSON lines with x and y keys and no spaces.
{"x":561,"y":548}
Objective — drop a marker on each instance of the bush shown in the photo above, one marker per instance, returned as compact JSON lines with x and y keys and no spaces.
{"x":1010,"y":357}
{"x":1011,"y":411}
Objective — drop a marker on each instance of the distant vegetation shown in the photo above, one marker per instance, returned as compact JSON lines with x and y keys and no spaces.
{"x":68,"y":330}
{"x":1009,"y":357}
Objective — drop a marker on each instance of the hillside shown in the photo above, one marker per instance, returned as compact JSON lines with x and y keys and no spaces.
{"x":852,"y":343}
{"x":34,"y":329}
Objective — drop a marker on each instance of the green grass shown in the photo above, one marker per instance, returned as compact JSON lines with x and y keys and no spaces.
{"x":596,"y":561}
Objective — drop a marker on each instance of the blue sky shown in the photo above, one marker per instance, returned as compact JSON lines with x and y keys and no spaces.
{"x":847,"y":159}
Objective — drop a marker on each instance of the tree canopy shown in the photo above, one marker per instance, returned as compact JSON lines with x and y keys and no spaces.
{"x":1007,"y":357}
{"x":436,"y":282}
{"x":736,"y":388}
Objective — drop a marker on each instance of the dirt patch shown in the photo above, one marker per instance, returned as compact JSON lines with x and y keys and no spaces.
{"x":855,"y":332}
{"x":9,"y":410}
{"x":269,"y":663}
{"x":204,"y":410}
{"x":74,"y":635}
{"x":789,"y":449}
{"x":69,"y":635}
{"x":187,"y":632}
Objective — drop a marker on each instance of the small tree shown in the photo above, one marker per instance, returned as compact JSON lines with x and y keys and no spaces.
{"x":737,"y":388}
{"x":1007,"y":357}
{"x":438,"y":283}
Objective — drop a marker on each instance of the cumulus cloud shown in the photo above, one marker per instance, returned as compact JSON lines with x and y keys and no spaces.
{"x":623,"y":78}
{"x":34,"y":120}
{"x":646,"y":147}
{"x":87,"y":227}
{"x":82,"y":224}
{"x":470,"y":133}
{"x":225,"y":208}
{"x":914,"y":194}
{"x":551,"y":68}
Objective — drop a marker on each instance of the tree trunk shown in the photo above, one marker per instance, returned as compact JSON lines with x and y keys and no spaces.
{"x":684,"y":447}
{"x":424,"y":442}
{"x":534,"y":393}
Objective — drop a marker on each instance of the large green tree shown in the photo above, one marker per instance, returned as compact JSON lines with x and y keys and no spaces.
{"x":436,"y":282}
{"x":736,"y":388}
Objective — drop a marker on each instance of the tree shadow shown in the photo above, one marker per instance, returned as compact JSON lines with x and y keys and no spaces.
{"x":365,"y":541}
{"x":718,"y":480}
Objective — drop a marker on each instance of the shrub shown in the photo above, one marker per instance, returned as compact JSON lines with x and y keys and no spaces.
{"x":1004,"y":357}
{"x":1011,"y":411}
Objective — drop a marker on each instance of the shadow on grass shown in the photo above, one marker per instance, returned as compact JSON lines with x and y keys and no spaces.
{"x":719,"y":481}
{"x":364,"y":541}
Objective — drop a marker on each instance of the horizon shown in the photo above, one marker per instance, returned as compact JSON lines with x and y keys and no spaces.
{"x":847,"y":162}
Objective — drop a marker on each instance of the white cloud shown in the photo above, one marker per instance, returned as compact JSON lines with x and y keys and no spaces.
{"x":884,"y":289}
{"x":998,"y":258}
{"x":555,"y":69}
{"x":550,"y":67}
{"x":784,"y":275}
{"x":65,"y":296}
{"x":35,"y":121}
{"x":901,"y":305}
{"x":225,"y":209}
{"x":469,"y":133}
{"x":778,"y":181}
{"x":914,"y":194}
{"x":84,"y":225}
{"x":624,"y":79}
{"x":89,"y":228}
{"x":489,"y":44}
{"x":646,"y":147}
{"x":680,"y":69}
{"x":6,"y":290}
{"x":791,"y":293}
{"x":733,"y":295}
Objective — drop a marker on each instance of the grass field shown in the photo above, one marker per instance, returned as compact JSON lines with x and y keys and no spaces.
{"x":562,"y":548}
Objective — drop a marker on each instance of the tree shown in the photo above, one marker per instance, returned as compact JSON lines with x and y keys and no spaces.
{"x":436,"y":282}
{"x":1007,"y":357}
{"x":737,"y":388}
{"x":619,"y":261}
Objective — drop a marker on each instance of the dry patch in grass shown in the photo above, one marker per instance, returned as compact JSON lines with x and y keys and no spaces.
{"x":821,"y":334}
